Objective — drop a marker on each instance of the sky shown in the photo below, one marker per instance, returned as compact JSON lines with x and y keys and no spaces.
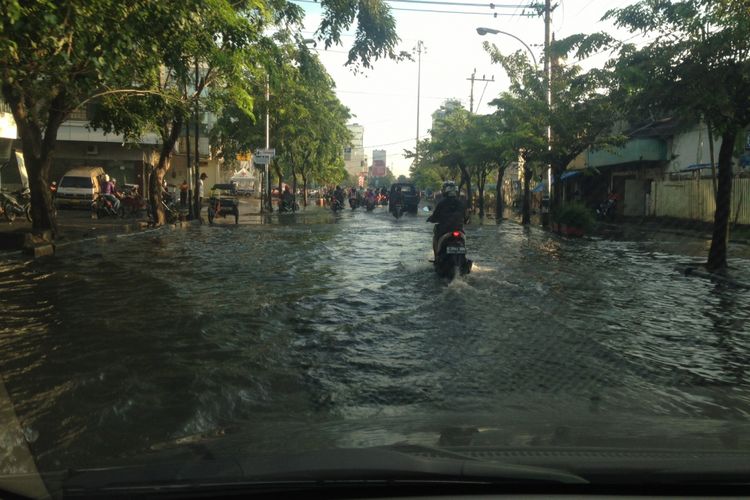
{"x":384,"y":99}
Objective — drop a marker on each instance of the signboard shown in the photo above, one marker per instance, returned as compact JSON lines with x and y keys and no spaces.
{"x":378,"y":170}
{"x":266,"y":152}
{"x":261,"y":159}
{"x":361,"y":181}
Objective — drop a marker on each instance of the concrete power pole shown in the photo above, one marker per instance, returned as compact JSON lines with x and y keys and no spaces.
{"x":548,"y":90}
{"x":420,"y":45}
{"x":548,"y":81}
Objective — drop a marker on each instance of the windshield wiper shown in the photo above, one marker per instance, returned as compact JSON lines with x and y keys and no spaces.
{"x":399,"y":463}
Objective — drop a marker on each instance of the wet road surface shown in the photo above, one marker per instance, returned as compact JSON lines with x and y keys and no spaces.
{"x":112,"y":348}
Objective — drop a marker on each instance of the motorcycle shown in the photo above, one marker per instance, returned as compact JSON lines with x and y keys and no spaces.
{"x":353,"y":203}
{"x":369,"y":205}
{"x":104,"y":207}
{"x":336,"y":204}
{"x":132,"y":203}
{"x":397,"y":209}
{"x":15,"y":204}
{"x":450,"y":255}
{"x":287,"y":207}
{"x":607,"y":209}
{"x":170,"y":211}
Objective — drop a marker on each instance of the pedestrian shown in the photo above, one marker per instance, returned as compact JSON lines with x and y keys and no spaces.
{"x":201,"y":191}
{"x":184,"y":192}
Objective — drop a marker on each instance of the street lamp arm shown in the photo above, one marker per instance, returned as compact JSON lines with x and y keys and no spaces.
{"x":484,"y":31}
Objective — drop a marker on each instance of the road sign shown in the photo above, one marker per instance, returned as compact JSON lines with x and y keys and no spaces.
{"x":266,"y":152}
{"x":261,"y":159}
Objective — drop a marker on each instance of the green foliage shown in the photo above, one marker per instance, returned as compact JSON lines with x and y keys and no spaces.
{"x":575,"y":215}
{"x":375,"y":35}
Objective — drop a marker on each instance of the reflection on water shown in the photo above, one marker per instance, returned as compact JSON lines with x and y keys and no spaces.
{"x":116,"y":347}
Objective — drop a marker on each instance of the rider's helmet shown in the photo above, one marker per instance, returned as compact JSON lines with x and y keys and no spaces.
{"x":449,"y":189}
{"x":106,"y":178}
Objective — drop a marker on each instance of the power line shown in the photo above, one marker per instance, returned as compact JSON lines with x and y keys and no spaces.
{"x":435,"y":11}
{"x":431,"y":11}
{"x":388,"y":143}
{"x":460,"y":4}
{"x":443,"y":2}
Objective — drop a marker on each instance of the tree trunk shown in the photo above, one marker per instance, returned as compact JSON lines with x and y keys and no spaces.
{"x":154,"y":194}
{"x":711,"y":153}
{"x":499,"y":205}
{"x":304,"y":189}
{"x":467,"y":180}
{"x":42,"y":210}
{"x":38,"y":146}
{"x":556,"y":188}
{"x":526,"y":210}
{"x":717,"y":254}
{"x":157,"y":174}
{"x":192,"y":203}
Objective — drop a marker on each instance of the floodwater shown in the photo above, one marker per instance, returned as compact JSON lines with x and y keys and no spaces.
{"x":113,"y":348}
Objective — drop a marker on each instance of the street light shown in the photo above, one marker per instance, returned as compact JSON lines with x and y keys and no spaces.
{"x":492,"y":31}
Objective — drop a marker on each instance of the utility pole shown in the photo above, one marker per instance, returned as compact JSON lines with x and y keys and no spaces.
{"x":420,"y":44}
{"x":473,"y":79}
{"x":196,"y":180}
{"x":471,"y":94}
{"x":268,"y":143}
{"x":548,"y":82}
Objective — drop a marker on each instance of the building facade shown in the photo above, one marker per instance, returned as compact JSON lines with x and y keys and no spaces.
{"x":355,"y":160}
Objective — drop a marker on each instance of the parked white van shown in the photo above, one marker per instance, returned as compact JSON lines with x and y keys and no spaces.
{"x":78,"y":187}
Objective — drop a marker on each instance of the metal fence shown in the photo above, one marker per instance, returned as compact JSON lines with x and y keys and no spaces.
{"x":694,"y":199}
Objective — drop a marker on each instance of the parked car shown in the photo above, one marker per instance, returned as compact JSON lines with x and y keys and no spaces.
{"x":79,"y":187}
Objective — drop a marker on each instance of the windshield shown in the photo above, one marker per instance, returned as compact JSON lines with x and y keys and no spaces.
{"x":237,"y":295}
{"x":76,"y":182}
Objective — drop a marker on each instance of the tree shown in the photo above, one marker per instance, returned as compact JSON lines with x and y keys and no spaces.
{"x":696,"y":67}
{"x":59,"y":56}
{"x":56,"y":57}
{"x":522,"y":111}
{"x":312,"y":133}
{"x":448,"y":142}
{"x":425,"y":171}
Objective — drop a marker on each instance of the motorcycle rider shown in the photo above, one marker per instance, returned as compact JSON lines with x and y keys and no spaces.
{"x":449,"y":214}
{"x":109,"y":193}
{"x":338,"y":195}
{"x":287,"y":200}
{"x":370,"y":198}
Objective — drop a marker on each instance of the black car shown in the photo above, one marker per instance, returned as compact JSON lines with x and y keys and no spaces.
{"x":408,"y":194}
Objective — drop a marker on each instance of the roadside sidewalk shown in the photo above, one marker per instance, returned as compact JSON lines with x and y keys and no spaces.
{"x":73,"y":226}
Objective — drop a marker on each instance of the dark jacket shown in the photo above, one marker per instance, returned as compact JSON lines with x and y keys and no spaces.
{"x":449,"y":215}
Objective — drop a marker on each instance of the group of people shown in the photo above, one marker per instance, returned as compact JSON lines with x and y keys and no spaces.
{"x":111,"y":192}
{"x":357,"y":196}
{"x":449,"y":213}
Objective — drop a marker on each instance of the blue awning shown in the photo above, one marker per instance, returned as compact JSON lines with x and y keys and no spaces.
{"x":569,"y":173}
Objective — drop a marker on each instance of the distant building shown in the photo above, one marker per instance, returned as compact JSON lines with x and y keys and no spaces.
{"x":378,"y":168}
{"x":355,"y":160}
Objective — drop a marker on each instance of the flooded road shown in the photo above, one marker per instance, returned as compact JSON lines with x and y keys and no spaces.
{"x":113,"y":348}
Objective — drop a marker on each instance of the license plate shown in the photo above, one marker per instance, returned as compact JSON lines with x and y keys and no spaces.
{"x":455,"y":250}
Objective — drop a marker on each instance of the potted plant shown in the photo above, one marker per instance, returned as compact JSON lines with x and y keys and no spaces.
{"x":573,"y":219}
